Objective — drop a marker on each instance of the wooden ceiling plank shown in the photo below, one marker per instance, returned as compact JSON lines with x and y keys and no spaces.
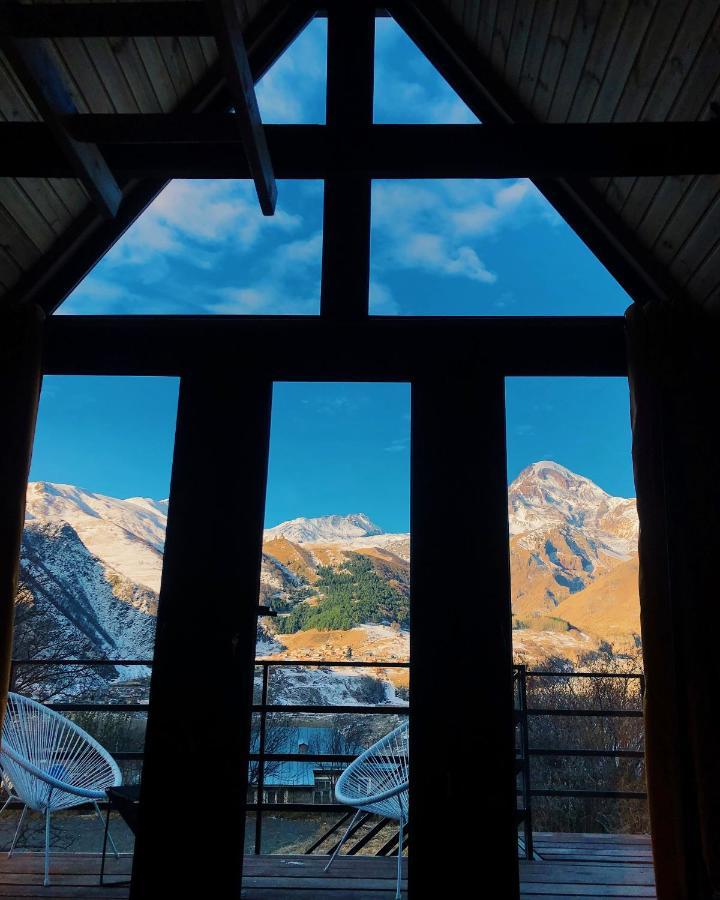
{"x":19,"y":247}
{"x":555,"y":52}
{"x":177,"y":68}
{"x":702,"y":84}
{"x":50,"y":95}
{"x":500,"y":47}
{"x":86,"y":87}
{"x":128,"y":58}
{"x":609,"y":26}
{"x":704,"y":279}
{"x":651,"y":58}
{"x":26,"y":214}
{"x":209,"y":50}
{"x":705,"y":284}
{"x":162,"y":83}
{"x":194,"y":58}
{"x":693,"y":38}
{"x":486,"y":25}
{"x":234,"y":59}
{"x":522,"y":24}
{"x":46,"y":199}
{"x":110,"y":72}
{"x":10,"y":271}
{"x":624,"y":55}
{"x":72,"y":193}
{"x":471,"y":17}
{"x":578,"y":47}
{"x":535,"y":53}
{"x":14,"y":100}
{"x":693,"y":232}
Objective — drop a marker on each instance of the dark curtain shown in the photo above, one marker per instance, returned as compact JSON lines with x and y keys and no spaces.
{"x":674,"y":367}
{"x":20,"y":380}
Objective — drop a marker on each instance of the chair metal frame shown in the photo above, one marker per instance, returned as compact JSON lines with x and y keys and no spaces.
{"x":49,"y":763}
{"x":378,"y":782}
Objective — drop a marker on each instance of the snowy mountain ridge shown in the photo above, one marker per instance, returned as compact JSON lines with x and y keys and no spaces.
{"x":325,"y":529}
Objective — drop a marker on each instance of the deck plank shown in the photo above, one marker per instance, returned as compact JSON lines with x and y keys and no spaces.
{"x":572,"y":865}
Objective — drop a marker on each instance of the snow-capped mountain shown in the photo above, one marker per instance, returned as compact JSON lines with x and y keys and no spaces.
{"x":91,"y":566}
{"x":546,"y":495}
{"x":568,"y":534}
{"x":324,"y":528}
{"x":128,"y":535}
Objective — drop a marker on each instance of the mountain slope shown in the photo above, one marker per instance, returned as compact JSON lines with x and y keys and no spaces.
{"x":92,"y":567}
{"x":566,"y":534}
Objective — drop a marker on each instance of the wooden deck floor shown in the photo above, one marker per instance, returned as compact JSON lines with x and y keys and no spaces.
{"x":572,"y":865}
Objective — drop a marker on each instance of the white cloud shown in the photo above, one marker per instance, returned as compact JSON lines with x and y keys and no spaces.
{"x":408,"y":87}
{"x":195,"y":219}
{"x":442,"y":226}
{"x":382,"y":301}
{"x":293,"y":90}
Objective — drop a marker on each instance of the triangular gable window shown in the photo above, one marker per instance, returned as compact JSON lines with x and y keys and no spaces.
{"x":408,"y":88}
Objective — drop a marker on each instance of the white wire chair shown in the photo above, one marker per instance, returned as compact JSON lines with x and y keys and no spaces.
{"x":49,"y":763}
{"x":377,"y":782}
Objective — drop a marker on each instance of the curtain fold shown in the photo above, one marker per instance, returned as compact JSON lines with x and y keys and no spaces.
{"x":20,"y":380}
{"x":674,"y":370}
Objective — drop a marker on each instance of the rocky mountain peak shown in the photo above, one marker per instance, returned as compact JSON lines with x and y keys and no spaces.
{"x":324,"y":528}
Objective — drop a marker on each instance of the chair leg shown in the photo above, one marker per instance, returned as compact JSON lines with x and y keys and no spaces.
{"x":46,"y":880}
{"x":344,"y":838}
{"x":102,"y":825}
{"x":17,"y":831}
{"x":398,"y":895}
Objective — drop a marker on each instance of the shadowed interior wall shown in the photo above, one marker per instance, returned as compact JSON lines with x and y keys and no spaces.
{"x":20,"y":381}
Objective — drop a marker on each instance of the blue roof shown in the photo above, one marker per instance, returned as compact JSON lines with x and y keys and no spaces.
{"x":286,"y":739}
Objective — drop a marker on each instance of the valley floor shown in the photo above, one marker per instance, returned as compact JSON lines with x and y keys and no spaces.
{"x":572,"y":865}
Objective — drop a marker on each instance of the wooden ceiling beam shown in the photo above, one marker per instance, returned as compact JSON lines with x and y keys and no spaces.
{"x":145,"y":18}
{"x":46,"y":88}
{"x":176,"y":18}
{"x":241,"y":87}
{"x":203,"y":146}
{"x":311,"y":348}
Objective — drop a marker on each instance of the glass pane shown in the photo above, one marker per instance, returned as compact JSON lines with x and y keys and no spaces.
{"x":408,"y":88}
{"x":480,"y":248}
{"x":576,"y":611}
{"x":91,"y":565}
{"x":204,"y":248}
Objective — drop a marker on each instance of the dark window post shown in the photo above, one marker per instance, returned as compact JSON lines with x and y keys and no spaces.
{"x":195,"y":777}
{"x":346,"y":225}
{"x":462,"y":782}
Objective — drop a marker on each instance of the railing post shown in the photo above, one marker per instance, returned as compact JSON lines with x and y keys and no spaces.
{"x":261,"y":761}
{"x":525,"y":749}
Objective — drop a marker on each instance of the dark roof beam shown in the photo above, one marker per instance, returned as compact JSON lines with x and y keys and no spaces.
{"x":45,"y":86}
{"x":145,"y":18}
{"x":234,"y":59}
{"x":206,"y":145}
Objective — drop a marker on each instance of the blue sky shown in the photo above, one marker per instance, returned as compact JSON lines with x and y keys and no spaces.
{"x":438,"y":248}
